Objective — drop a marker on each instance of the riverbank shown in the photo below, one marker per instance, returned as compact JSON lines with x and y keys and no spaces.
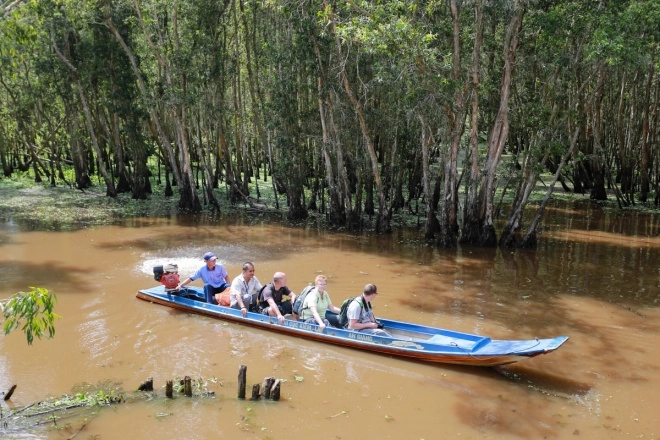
{"x":54,"y":208}
{"x":43,"y":207}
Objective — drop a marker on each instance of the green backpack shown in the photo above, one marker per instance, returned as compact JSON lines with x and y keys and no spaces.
{"x":343,"y":310}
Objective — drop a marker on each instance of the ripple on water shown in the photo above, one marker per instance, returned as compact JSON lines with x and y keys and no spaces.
{"x":95,"y":337}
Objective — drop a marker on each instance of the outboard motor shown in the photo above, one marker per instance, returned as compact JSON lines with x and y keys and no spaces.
{"x":168,"y":275}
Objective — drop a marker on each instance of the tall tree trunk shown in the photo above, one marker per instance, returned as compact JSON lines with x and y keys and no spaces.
{"x":598,"y":174}
{"x":257,"y":101}
{"x":426,"y":140}
{"x":471,"y":219}
{"x":455,"y":114}
{"x":109,"y":184}
{"x":189,"y":199}
{"x":383,"y":219}
{"x":500,"y":130}
{"x":123,"y":182}
{"x":155,"y":120}
{"x":645,"y":167}
{"x":336,"y":215}
{"x":350,"y":208}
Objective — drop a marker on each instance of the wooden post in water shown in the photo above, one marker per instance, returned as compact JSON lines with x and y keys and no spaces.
{"x":275,"y":391}
{"x":268,"y":384}
{"x":242,"y":372}
{"x":147,"y":385}
{"x":256,"y":388}
{"x":187,"y":386}
{"x":168,"y":388}
{"x":10,"y":392}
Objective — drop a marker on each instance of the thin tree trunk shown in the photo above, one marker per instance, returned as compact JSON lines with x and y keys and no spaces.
{"x":471,"y":218}
{"x":383,"y":219}
{"x":449,"y":217}
{"x":645,"y":159}
{"x":426,"y":140}
{"x":336,"y":216}
{"x":500,"y":130}
{"x":109,"y":184}
{"x":164,"y":139}
{"x":529,"y":240}
{"x":598,"y":190}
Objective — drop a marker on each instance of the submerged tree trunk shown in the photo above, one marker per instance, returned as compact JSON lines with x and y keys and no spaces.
{"x":472,"y":219}
{"x":529,"y":240}
{"x":426,"y":140}
{"x":598,"y":174}
{"x":455,"y":114}
{"x":645,"y":161}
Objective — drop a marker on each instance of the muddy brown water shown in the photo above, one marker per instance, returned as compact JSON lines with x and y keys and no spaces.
{"x":595,"y":277}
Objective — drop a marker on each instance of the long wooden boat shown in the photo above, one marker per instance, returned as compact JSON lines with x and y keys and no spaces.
{"x":408,"y":340}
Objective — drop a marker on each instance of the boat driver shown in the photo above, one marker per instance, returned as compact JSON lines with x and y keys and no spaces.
{"x":214,"y":275}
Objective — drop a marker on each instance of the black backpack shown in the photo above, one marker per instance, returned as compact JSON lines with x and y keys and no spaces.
{"x":258,"y":307}
{"x":299,"y":304}
{"x":343,"y":318}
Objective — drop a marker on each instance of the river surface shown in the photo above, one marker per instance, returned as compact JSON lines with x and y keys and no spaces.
{"x":595,"y":278}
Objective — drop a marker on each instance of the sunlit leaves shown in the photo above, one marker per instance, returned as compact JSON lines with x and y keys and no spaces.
{"x":33,"y":310}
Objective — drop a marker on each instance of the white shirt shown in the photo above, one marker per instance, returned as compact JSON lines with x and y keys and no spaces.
{"x":245,"y":290}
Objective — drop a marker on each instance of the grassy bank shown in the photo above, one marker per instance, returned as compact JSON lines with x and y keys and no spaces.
{"x":43,"y":207}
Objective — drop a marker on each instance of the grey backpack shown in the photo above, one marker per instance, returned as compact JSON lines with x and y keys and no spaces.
{"x":299,"y":303}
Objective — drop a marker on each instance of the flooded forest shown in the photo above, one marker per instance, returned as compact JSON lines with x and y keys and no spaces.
{"x":358,"y":111}
{"x":493,"y":166}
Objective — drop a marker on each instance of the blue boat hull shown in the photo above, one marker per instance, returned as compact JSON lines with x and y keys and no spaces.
{"x":409,"y":340}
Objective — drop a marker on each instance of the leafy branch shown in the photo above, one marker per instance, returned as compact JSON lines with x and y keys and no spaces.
{"x":33,"y":310}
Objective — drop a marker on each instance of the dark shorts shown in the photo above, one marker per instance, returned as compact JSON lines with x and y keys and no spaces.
{"x":333,"y":318}
{"x":285,"y":308}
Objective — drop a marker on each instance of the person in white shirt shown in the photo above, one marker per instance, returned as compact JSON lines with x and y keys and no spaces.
{"x":244,"y":290}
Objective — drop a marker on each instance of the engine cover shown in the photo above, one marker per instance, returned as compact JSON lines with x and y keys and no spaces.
{"x":170,"y":280}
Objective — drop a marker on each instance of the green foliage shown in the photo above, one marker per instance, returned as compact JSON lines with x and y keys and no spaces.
{"x":251,"y":84}
{"x":91,"y":399}
{"x":33,"y":310}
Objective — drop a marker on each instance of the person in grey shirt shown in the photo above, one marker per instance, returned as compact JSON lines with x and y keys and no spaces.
{"x":360,"y":313}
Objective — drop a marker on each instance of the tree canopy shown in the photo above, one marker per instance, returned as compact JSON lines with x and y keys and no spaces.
{"x":356,"y":109}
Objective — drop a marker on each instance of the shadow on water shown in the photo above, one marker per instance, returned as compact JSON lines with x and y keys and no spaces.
{"x":50,"y":275}
{"x":543,"y":381}
{"x":518,"y":412}
{"x":194,"y":242}
{"x":6,"y":239}
{"x":520,"y":374}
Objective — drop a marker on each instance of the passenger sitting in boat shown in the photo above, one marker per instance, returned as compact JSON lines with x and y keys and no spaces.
{"x":215,"y":277}
{"x":361,"y":316}
{"x":244,"y":290}
{"x":317,"y":304}
{"x":272,"y":298}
